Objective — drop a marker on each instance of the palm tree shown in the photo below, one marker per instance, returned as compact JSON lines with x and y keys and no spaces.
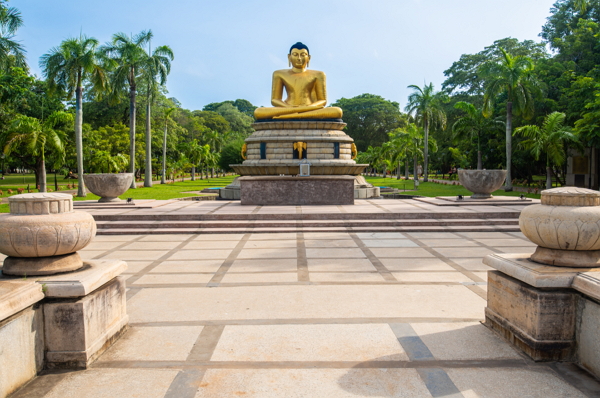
{"x":127,"y":57}
{"x":164,"y":155}
{"x":472,"y":124}
{"x":426,"y":103}
{"x":37,"y":137}
{"x":549,"y":139}
{"x":12,"y":52}
{"x":155,"y":71}
{"x":66,"y":68}
{"x":513,"y":76}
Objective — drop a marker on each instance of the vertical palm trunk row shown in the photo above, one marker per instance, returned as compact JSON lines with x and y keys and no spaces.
{"x":79,"y":141}
{"x":132,"y":130}
{"x":148,"y":174}
{"x":426,"y":150}
{"x":508,"y":186}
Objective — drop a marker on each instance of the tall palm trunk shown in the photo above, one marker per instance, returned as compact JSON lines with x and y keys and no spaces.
{"x":415,"y":173}
{"x":148,"y":174}
{"x":164,"y":159}
{"x":42,"y":173}
{"x":479,"y":160}
{"x":398,"y":171}
{"x":193,"y":173}
{"x":132,"y":109}
{"x":548,"y":173}
{"x":508,"y":186}
{"x":79,"y":140}
{"x":426,"y":150}
{"x":406,"y":172}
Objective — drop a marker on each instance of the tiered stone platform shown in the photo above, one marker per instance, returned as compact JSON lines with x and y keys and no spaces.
{"x":218,"y":217}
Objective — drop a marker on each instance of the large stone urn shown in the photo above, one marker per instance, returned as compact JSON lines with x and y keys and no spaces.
{"x":482,"y":182}
{"x":42,"y":234}
{"x":108,"y":186}
{"x":565,"y":226}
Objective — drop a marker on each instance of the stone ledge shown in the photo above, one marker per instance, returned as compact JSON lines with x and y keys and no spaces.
{"x":16,"y":295}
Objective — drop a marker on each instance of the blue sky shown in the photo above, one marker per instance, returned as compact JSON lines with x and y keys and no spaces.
{"x":229,"y":49}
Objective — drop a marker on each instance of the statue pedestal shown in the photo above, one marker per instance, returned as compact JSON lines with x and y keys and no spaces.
{"x":289,"y":190}
{"x":550,"y":313}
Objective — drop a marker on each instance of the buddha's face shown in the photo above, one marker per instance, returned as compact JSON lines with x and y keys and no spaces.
{"x":299,"y":58}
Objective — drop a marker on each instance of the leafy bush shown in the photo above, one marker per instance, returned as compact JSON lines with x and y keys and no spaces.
{"x":231,"y":154}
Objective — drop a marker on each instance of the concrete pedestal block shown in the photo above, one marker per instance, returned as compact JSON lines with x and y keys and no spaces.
{"x":21,"y":334}
{"x":539,"y":322}
{"x":288,"y":190}
{"x":77,"y":332}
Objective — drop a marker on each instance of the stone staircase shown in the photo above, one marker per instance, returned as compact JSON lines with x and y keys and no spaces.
{"x":113,"y":224}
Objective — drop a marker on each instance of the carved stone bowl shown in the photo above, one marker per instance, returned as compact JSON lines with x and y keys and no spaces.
{"x":565,"y":226}
{"x":482,"y":182}
{"x":108,"y":186}
{"x":42,"y":234}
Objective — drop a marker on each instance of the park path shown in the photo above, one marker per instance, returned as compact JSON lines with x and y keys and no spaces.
{"x":309,"y":315}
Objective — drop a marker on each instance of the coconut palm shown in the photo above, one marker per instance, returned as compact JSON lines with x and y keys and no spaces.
{"x":67,"y":68}
{"x":12,"y":52}
{"x":472,"y":124}
{"x":154,"y":72}
{"x":36,"y":138}
{"x":549,"y":139}
{"x":511,"y":76}
{"x":426,"y":103}
{"x":127,"y":58}
{"x":164,"y":155}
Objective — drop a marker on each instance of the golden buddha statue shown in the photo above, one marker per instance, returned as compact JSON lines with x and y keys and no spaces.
{"x":306,"y":91}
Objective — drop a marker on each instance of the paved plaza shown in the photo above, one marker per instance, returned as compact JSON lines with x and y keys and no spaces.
{"x":310,"y":315}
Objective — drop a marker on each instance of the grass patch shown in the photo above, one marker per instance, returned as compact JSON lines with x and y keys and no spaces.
{"x":432,"y":189}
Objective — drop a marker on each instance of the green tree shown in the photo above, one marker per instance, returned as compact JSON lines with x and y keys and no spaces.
{"x":550,"y":139}
{"x":127,"y":58}
{"x":36,"y":138}
{"x":67,"y":68}
{"x":369,"y":118}
{"x":231,"y":154}
{"x":472,"y":125}
{"x":426,"y":103}
{"x":511,"y":76}
{"x":12,"y":53}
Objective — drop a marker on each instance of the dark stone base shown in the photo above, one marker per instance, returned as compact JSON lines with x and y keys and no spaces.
{"x":540,"y":322}
{"x":288,"y":190}
{"x":37,"y":266}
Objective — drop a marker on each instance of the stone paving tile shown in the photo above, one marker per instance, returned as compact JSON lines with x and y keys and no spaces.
{"x":463,"y":340}
{"x":292,"y":302}
{"x":276,"y":237}
{"x":448,"y":243}
{"x":471,"y":264}
{"x":169,"y":343}
{"x":210,"y":244}
{"x":268,"y":253}
{"x":187,"y":266}
{"x":87,"y":254}
{"x":218,"y":254}
{"x":415,"y":264}
{"x":219,"y":237}
{"x":329,"y":243}
{"x":167,"y":279}
{"x":345,"y":277}
{"x":114,"y":238}
{"x":389,"y":243}
{"x":487,"y":235}
{"x":165,"y":238}
{"x":432,"y":235}
{"x":151,"y":246}
{"x":269,"y":244}
{"x":308,"y":343}
{"x":136,"y":255}
{"x":101,"y":245}
{"x":455,"y":277}
{"x":515,"y":242}
{"x":381,"y":235}
{"x":336,"y":265}
{"x":401,"y":252}
{"x":326,"y":235}
{"x":264,"y":265}
{"x":133,"y":267}
{"x":521,"y":249}
{"x":263,"y":277}
{"x":330,"y":383}
{"x":511,"y":383}
{"x":334,"y":253}
{"x":451,"y":252}
{"x":108,"y":383}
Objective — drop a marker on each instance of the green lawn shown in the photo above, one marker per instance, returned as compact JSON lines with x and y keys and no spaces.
{"x":432,"y":189}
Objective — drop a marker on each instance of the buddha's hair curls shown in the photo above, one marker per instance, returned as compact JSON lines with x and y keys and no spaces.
{"x":299,"y":46}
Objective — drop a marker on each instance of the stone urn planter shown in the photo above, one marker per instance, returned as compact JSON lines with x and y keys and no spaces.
{"x":565,"y":226}
{"x":108,"y":186}
{"x":42,"y":234}
{"x":482,"y":182}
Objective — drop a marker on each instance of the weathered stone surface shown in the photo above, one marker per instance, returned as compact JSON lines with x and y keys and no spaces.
{"x":44,"y":225}
{"x":21,"y":349}
{"x":567,"y":258}
{"x":313,"y":190}
{"x":482,"y":182}
{"x":570,"y":196}
{"x":17,"y":295}
{"x":588,"y":343}
{"x":539,"y":322}
{"x":34,"y":266}
{"x":77,"y":332}
{"x":108,"y":186}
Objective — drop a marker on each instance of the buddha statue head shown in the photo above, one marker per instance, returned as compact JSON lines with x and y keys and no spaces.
{"x":299,"y":56}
